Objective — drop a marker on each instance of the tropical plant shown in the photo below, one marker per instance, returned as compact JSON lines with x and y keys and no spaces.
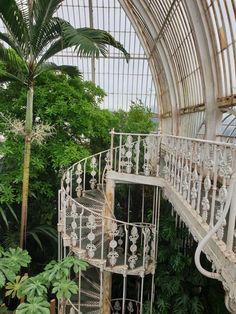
{"x":180,"y":288}
{"x":34,"y":290}
{"x":137,"y":120}
{"x":10,"y":263}
{"x":34,"y":35}
{"x":13,"y":287}
{"x":34,"y":305}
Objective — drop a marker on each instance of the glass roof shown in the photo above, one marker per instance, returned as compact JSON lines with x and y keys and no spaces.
{"x":123,"y":82}
{"x":183,"y":58}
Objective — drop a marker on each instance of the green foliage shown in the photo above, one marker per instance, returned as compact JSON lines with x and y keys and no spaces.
{"x":137,"y":120}
{"x":34,"y":287}
{"x":54,"y":279}
{"x":56,"y":271}
{"x":64,"y":288}
{"x":13,"y":288}
{"x":71,"y":106}
{"x":3,"y":308}
{"x":34,"y":305}
{"x":10,"y":263}
{"x":180,"y":288}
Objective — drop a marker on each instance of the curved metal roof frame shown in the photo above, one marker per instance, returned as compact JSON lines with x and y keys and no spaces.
{"x":183,"y":58}
{"x":191,"y":47}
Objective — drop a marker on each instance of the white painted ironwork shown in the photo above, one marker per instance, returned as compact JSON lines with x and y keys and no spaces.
{"x":197,"y":172}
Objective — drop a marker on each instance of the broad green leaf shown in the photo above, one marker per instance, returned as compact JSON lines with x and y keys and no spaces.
{"x":13,"y":289}
{"x":2,"y":279}
{"x":34,"y":305}
{"x":64,"y":288}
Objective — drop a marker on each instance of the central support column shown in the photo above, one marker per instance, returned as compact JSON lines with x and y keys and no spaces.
{"x":108,"y":212}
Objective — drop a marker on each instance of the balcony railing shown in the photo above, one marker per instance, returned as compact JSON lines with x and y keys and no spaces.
{"x":199,"y":171}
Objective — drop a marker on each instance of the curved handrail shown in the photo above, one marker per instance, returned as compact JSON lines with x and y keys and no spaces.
{"x":85,"y":158}
{"x":177,"y":137}
{"x":137,"y":303}
{"x":127,"y":300}
{"x":209,"y":235}
{"x":148,"y":225}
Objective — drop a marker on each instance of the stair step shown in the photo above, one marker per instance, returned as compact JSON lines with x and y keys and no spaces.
{"x":90,"y":204}
{"x":95,"y":194}
{"x":90,"y":294}
{"x":94,"y":312}
{"x":90,"y":304}
{"x":93,"y":284}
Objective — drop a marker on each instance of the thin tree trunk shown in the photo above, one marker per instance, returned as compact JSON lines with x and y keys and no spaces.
{"x":26,"y":166}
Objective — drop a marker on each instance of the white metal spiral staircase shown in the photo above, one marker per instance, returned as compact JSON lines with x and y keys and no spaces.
{"x":198,"y":179}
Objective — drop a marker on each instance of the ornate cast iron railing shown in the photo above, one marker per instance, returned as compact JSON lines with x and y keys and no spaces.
{"x":198,"y":170}
{"x":85,"y":174}
{"x":106,"y":241}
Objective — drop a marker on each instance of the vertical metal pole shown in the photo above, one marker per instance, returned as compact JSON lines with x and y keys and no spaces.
{"x":115,"y":160}
{"x":214,"y":188}
{"x":190,"y":172}
{"x":99,"y":169}
{"x":79,"y":296}
{"x":142,"y":209}
{"x":120,"y":146}
{"x":124,"y":292}
{"x":101,"y":288}
{"x":232,"y":213}
{"x":143,"y":202}
{"x":152,"y":292}
{"x":141,"y":297}
{"x":153,"y":205}
{"x":112,"y":147}
{"x":108,"y":212}
{"x":129,"y":204}
{"x":137,"y":155}
{"x":84,"y":180}
{"x":71,"y":182}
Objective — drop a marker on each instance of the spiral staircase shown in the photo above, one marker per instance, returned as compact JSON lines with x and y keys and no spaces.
{"x":198,"y":179}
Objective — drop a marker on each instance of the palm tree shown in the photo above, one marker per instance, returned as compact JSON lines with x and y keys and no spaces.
{"x":34,"y":35}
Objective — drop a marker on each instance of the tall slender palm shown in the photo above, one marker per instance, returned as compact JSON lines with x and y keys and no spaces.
{"x":34,"y":34}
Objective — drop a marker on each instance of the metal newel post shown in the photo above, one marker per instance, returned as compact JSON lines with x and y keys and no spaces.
{"x":232,"y":213}
{"x":112,"y":146}
{"x":158,"y":151}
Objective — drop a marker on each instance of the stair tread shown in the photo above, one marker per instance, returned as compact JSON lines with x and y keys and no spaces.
{"x":91,"y":294}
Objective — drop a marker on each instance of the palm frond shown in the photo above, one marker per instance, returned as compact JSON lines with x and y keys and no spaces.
{"x":36,"y":238}
{"x":15,"y":23}
{"x":4,"y":217}
{"x":70,"y":70}
{"x":43,"y":10}
{"x":46,"y":34}
{"x":8,"y":77}
{"x":87,"y":42}
{"x":46,"y":231}
{"x":54,"y":48}
{"x":12,"y":212}
{"x":8,"y":40}
{"x":13,"y":66}
{"x":91,"y":42}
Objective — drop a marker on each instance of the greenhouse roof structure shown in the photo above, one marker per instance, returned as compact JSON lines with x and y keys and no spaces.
{"x":182,"y":63}
{"x":182,"y":58}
